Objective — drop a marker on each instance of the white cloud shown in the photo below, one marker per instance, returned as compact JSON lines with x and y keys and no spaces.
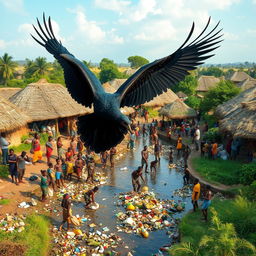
{"x":113,"y":5}
{"x":251,"y":31}
{"x":254,"y":1}
{"x":2,"y":44}
{"x":92,"y":31}
{"x":157,"y":30}
{"x":14,"y":5}
{"x":230,"y":36}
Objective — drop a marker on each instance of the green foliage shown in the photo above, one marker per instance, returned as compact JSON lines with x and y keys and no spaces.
{"x":211,"y":71}
{"x":152,"y":113}
{"x":188,"y":85}
{"x":4,"y":171}
{"x":224,"y":91}
{"x":35,"y":237}
{"x":249,"y":191}
{"x":193,"y":102}
{"x":24,"y":138}
{"x":210,"y":119}
{"x":87,"y":63}
{"x":137,"y":61}
{"x":16,"y":83}
{"x":229,"y":73}
{"x":109,"y":71}
{"x":4,"y":201}
{"x":7,"y":67}
{"x":218,"y":171}
{"x":230,"y":232}
{"x":248,"y":174}
{"x":213,"y":134}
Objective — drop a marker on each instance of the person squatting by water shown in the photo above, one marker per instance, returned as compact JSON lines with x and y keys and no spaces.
{"x":89,"y":197}
{"x":136,"y":175}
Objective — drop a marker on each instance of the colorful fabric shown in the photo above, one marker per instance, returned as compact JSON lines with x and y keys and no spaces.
{"x":179,"y":143}
{"x":70,"y":167}
{"x":206,"y":204}
{"x":196,"y":188}
{"x":58,"y":175}
{"x":37,"y":156}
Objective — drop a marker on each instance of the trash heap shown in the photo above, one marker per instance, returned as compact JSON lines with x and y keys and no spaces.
{"x":185,"y":191}
{"x":13,"y":223}
{"x":145,"y":213}
{"x":91,"y":241}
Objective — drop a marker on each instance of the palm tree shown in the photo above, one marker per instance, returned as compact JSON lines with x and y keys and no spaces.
{"x":223,"y":241}
{"x":7,"y":67}
{"x":29,"y":68}
{"x":41,"y":66}
{"x":185,"y":249}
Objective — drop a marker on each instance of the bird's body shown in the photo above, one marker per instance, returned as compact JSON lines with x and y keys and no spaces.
{"x":107,"y":126}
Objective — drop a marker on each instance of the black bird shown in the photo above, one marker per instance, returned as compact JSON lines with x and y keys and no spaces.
{"x":107,"y":126}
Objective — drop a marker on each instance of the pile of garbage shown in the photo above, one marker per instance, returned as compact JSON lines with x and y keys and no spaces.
{"x":13,"y":223}
{"x":145,"y":213}
{"x":185,"y":191}
{"x":92,"y":241}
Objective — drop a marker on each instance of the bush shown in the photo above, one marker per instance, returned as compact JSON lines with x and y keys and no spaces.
{"x":249,"y":191}
{"x":213,"y":135}
{"x":248,"y":174}
{"x":193,"y":102}
{"x":4,"y":171}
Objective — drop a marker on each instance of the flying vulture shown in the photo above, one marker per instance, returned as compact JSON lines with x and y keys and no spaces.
{"x":107,"y":126}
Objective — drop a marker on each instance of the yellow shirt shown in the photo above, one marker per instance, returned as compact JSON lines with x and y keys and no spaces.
{"x":196,"y":189}
{"x":69,"y":167}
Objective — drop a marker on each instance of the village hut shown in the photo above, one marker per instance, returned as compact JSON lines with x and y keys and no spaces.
{"x":230,"y":106}
{"x":181,"y":95}
{"x":110,"y":89}
{"x":13,"y":121}
{"x":178,"y":110}
{"x":247,"y":83}
{"x":165,"y":98}
{"x":242,"y":121}
{"x":116,"y":83}
{"x":205,"y":83}
{"x":8,"y":92}
{"x":238,"y":76}
{"x":48,"y":104}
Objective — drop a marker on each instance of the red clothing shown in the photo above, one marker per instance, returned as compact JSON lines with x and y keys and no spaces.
{"x":36,"y":145}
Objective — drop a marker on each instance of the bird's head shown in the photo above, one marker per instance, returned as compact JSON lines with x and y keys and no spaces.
{"x":125,"y":122}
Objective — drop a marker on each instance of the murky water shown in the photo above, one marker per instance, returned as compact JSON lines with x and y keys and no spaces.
{"x":163,"y":183}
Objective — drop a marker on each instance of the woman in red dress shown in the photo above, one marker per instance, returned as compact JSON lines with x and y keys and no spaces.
{"x":49,"y":149}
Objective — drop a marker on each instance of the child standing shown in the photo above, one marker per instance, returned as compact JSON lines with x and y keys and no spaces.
{"x":58,"y":173}
{"x":50,"y":175}
{"x":44,"y":185}
{"x":70,"y":168}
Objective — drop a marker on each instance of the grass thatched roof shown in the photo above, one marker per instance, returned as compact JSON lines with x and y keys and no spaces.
{"x":8,"y":92}
{"x":110,"y":89}
{"x":43,"y":101}
{"x":205,"y":83}
{"x":242,"y":121}
{"x":230,"y":106}
{"x":165,"y":98}
{"x":177,"y":110}
{"x":11,"y":117}
{"x":181,"y":94}
{"x":116,"y":83}
{"x":239,"y":76}
{"x":247,"y":83}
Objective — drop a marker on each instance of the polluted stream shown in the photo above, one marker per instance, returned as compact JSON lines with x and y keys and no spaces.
{"x":163,"y":183}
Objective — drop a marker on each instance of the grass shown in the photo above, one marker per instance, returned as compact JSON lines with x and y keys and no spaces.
{"x":218,"y":171}
{"x":240,"y":212}
{"x":4,"y":201}
{"x":35,"y":237}
{"x":4,"y":171}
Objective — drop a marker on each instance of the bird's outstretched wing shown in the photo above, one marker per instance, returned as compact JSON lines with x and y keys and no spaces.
{"x":81,"y":82}
{"x":155,"y":78}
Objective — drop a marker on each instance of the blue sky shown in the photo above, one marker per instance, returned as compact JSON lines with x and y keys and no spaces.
{"x":117,"y":29}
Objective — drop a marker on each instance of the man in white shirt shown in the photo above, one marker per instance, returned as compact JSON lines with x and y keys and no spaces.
{"x":197,"y":138}
{"x":4,"y":147}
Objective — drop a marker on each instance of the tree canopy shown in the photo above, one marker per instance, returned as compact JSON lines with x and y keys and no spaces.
{"x":224,"y":91}
{"x":211,"y":71}
{"x":7,"y":67}
{"x":188,"y":85}
{"x":137,"y":61}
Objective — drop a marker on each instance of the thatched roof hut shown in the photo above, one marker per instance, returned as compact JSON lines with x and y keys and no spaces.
{"x":230,"y":106}
{"x":11,"y":117}
{"x":116,"y":83}
{"x":110,"y":89}
{"x":247,"y":83}
{"x":242,"y":121}
{"x":239,"y":76}
{"x":8,"y":92}
{"x":181,"y":95}
{"x":165,"y":98}
{"x":177,"y":110}
{"x":46,"y":101}
{"x":205,"y":83}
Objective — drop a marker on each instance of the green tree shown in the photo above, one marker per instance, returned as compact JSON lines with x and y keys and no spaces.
{"x":223,"y":240}
{"x":188,"y":85}
{"x":212,"y":71}
{"x":137,"y":61}
{"x":41,"y":66}
{"x":109,"y":71}
{"x":87,"y":63}
{"x":224,"y":91}
{"x":29,"y":68}
{"x":7,"y":67}
{"x":193,"y":102}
